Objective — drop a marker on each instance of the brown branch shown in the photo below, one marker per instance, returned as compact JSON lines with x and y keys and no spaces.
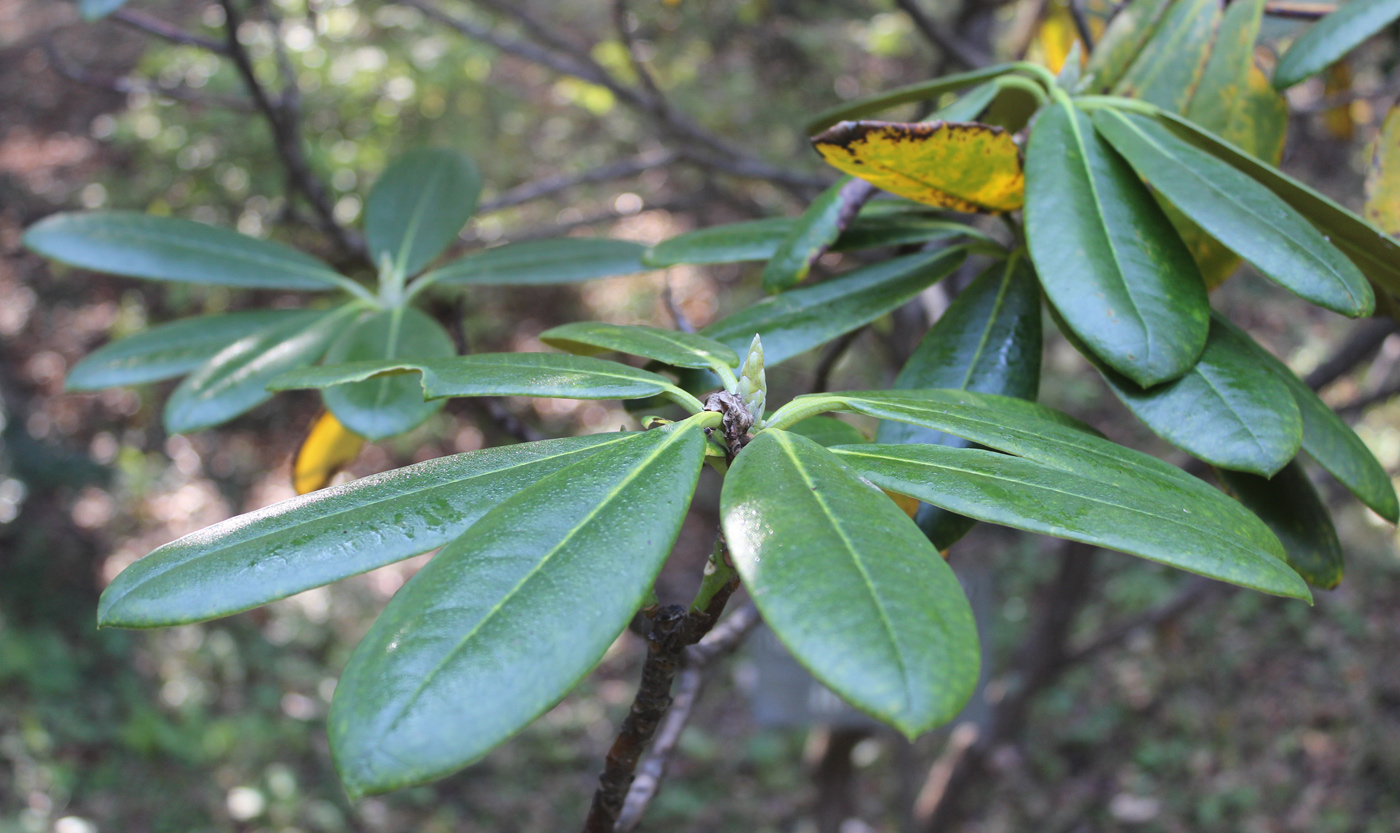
{"x":1081,"y":24}
{"x":668,"y":297}
{"x":548,"y":186}
{"x":832,"y":354}
{"x":1360,"y":344}
{"x":126,"y":85}
{"x":720,"y":642}
{"x":941,"y":40}
{"x":621,"y":20}
{"x":1195,"y":590}
{"x":1298,"y":10}
{"x":165,"y":31}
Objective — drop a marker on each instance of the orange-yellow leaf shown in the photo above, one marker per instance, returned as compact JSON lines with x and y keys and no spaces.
{"x":906,"y":504}
{"x":965,"y":166}
{"x":1054,"y":40}
{"x":1338,"y":120}
{"x":1383,"y":178}
{"x":328,"y":448}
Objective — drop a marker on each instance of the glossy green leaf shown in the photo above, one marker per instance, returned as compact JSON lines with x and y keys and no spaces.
{"x":97,"y":9}
{"x":1329,"y":440}
{"x":848,"y":584}
{"x":497,"y":374}
{"x":1240,"y":213}
{"x":988,"y":340}
{"x":811,"y":235}
{"x":1107,"y":256}
{"x":235,"y":380}
{"x":969,"y":105}
{"x":536,"y":262}
{"x":1123,"y":41}
{"x":1227,"y":410}
{"x":827,"y":431}
{"x":922,"y":91}
{"x":169,"y":350}
{"x":509,"y":617}
{"x":328,"y":535}
{"x":418,"y":206}
{"x":804,"y":318}
{"x":1225,"y":80}
{"x":388,"y":405}
{"x":1170,"y":65}
{"x":1370,"y":249}
{"x":1291,"y":507}
{"x":1332,"y":37}
{"x":1147,"y":521}
{"x":678,"y":349}
{"x":167,"y":249}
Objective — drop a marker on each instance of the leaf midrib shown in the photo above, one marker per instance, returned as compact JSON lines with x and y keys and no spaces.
{"x":249,"y":252}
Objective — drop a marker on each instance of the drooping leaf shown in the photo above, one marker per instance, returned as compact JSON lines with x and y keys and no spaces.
{"x":848,"y":583}
{"x":1373,"y":251}
{"x":1107,"y":256}
{"x":496,"y":374}
{"x":922,"y":91}
{"x":1291,"y":507}
{"x":536,"y":262}
{"x":1123,"y":41}
{"x":964,"y":166}
{"x":168,"y":249}
{"x":97,"y":9}
{"x":507,"y":619}
{"x":1227,"y":410}
{"x":330,"y":534}
{"x":235,"y":380}
{"x":418,"y":205}
{"x":988,"y":340}
{"x":329,"y":447}
{"x":1332,"y":37}
{"x":170,"y":350}
{"x":827,"y":431}
{"x":388,"y":405}
{"x":1226,"y":75}
{"x":1170,"y":65}
{"x":797,"y":321}
{"x":1240,"y":213}
{"x":1383,"y":177}
{"x":590,"y":338}
{"x":812,"y":234}
{"x":1329,"y":440}
{"x":1021,"y":493}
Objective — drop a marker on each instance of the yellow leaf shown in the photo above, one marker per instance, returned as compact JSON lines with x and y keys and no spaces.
{"x":1055,"y":39}
{"x":1338,"y":120}
{"x":1383,"y":177}
{"x":965,"y":166}
{"x":906,"y":504}
{"x":328,"y":448}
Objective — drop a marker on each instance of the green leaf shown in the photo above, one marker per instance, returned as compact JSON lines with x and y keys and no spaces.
{"x":1291,"y":507}
{"x":1170,"y":65}
{"x":1240,"y":213}
{"x":1329,"y":440}
{"x":827,"y":431}
{"x":881,"y":223}
{"x":167,"y":249}
{"x":799,"y":320}
{"x":235,"y":380}
{"x":1332,"y":37}
{"x":988,"y":340}
{"x":923,"y":91}
{"x":329,"y":535}
{"x":388,"y":405}
{"x":537,"y":262}
{"x":508,"y":618}
{"x":589,"y":338}
{"x":1107,"y":256}
{"x":848,"y":583}
{"x":97,"y":9}
{"x":1123,"y":41}
{"x":1372,"y":250}
{"x":1225,"y":80}
{"x":418,"y":206}
{"x":1226,"y":410}
{"x":169,"y":350}
{"x":1147,"y":521}
{"x":496,"y":374}
{"x":812,"y":234}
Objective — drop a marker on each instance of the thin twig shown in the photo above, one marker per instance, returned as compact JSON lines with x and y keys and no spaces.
{"x":722,"y":641}
{"x":1081,"y":24}
{"x":548,"y":186}
{"x":165,"y":31}
{"x":621,"y":22}
{"x":668,"y":297}
{"x":1298,"y":10}
{"x":941,"y":40}
{"x":126,"y":85}
{"x":1360,"y":344}
{"x":832,"y":354}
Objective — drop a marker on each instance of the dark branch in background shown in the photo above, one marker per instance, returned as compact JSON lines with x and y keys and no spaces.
{"x":622,"y":21}
{"x":943,"y":41}
{"x":1359,"y":345}
{"x":284,"y":119}
{"x":127,"y":86}
{"x":673,"y":630}
{"x":831,"y":355}
{"x":1299,"y":10}
{"x":551,"y":185}
{"x":165,"y":31}
{"x":1081,"y":24}
{"x":668,"y":297}
{"x":720,"y":642}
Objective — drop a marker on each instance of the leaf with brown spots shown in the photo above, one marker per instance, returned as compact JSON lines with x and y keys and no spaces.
{"x":965,"y":166}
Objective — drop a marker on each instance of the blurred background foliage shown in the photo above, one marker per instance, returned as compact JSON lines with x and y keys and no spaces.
{"x":1246,"y":713}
